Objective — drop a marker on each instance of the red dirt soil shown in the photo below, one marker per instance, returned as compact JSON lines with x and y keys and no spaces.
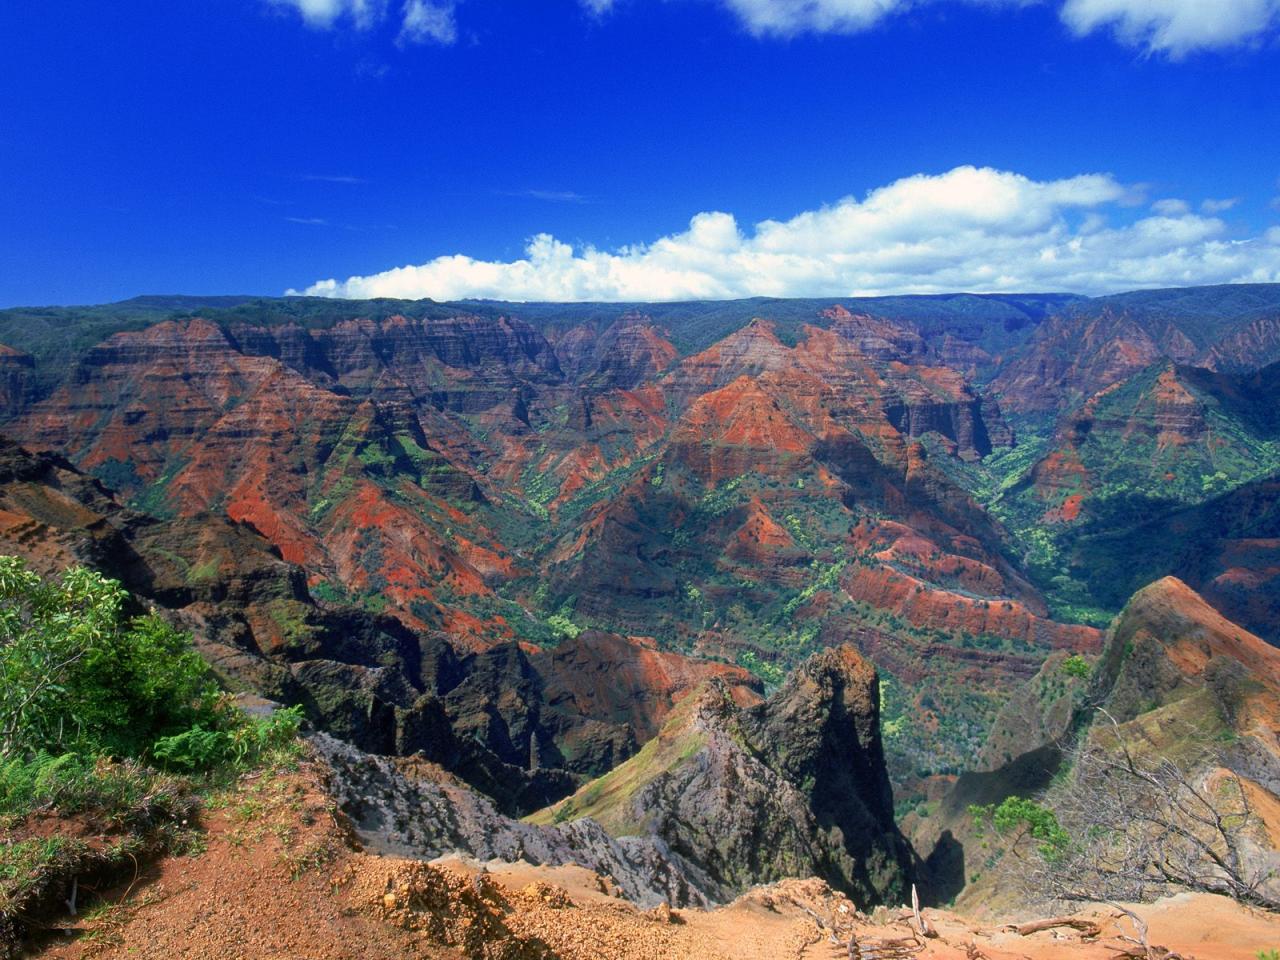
{"x":281,"y":878}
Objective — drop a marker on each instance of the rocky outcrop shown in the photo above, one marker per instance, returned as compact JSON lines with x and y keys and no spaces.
{"x":1246,"y":349}
{"x":628,"y":681}
{"x":477,"y":478}
{"x":1042,"y":713}
{"x":1169,"y":643}
{"x":793,"y":786}
{"x":749,"y":352}
{"x":1175,"y":682}
{"x":1166,"y":437}
{"x":1076,"y":355}
{"x":413,"y":809}
{"x":875,"y":338}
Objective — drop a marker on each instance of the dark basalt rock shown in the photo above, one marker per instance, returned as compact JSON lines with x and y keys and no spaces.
{"x":412,"y":810}
{"x":795,"y":786}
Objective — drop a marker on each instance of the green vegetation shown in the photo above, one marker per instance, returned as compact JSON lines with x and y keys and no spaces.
{"x":608,"y":799}
{"x":562,"y":627}
{"x":825,"y":580}
{"x":722,"y":498}
{"x":770,"y":673}
{"x":76,"y":674}
{"x":110,"y":717}
{"x":1018,"y":817}
{"x":1077,"y":667}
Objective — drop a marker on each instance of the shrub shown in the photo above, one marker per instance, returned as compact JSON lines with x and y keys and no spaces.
{"x":75,"y":674}
{"x":1018,"y":817}
{"x":240,"y":741}
{"x":1076,"y":666}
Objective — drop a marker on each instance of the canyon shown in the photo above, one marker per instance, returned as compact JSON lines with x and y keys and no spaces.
{"x":692,"y":596}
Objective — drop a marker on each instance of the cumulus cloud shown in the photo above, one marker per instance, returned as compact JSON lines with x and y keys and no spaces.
{"x":1172,"y":27}
{"x":421,"y":21}
{"x":975,"y":229}
{"x":1175,"y":27}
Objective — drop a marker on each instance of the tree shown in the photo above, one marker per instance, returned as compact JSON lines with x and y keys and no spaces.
{"x":1140,"y":827}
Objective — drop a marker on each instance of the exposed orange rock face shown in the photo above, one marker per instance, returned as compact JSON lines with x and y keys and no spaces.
{"x":751,"y":351}
{"x":956,"y":561}
{"x":1169,"y":647}
{"x":142,"y":398}
{"x":1062,"y":481}
{"x":766,"y":550}
{"x":874,"y":338}
{"x":468,"y":474}
{"x":1179,"y":415}
{"x":628,"y":353}
{"x":252,"y":437}
{"x":1191,"y":633}
{"x":736,"y":429}
{"x":926,"y":606}
{"x":1247,"y":349}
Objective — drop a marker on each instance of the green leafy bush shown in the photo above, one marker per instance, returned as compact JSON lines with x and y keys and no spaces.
{"x":1018,"y":817}
{"x":76,"y":674}
{"x":1076,"y":666}
{"x":112,"y":717}
{"x":242,"y":741}
{"x":82,"y":684}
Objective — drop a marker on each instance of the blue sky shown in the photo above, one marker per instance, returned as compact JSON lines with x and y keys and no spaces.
{"x":581,"y":149}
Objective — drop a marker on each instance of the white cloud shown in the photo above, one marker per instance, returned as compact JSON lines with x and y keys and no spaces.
{"x":326,"y":13}
{"x":1172,"y":27}
{"x":1171,"y":208}
{"x":425,"y":21}
{"x":788,"y":17}
{"x":1175,"y":27}
{"x":1218,"y":206}
{"x":420,"y":20}
{"x":967,"y":229}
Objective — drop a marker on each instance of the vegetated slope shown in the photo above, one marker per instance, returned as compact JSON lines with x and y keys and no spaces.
{"x":1150,"y":446}
{"x":1184,"y":692}
{"x":446,"y":468}
{"x":525,"y":727}
{"x":792,"y":506}
{"x":1227,"y":548}
{"x":1090,"y":345}
{"x":747,"y":490}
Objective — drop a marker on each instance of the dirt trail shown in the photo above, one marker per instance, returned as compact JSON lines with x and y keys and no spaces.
{"x":281,"y":878}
